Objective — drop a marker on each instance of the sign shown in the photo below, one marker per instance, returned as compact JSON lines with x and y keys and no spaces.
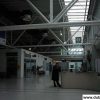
{"x":2,"y":38}
{"x":78,"y":39}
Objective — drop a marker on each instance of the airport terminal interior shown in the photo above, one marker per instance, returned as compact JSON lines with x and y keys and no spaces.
{"x":37,"y":34}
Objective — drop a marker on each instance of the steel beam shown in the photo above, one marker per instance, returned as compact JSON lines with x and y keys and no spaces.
{"x":56,"y":45}
{"x":64,"y":34}
{"x":9,"y":46}
{"x":67,"y":56}
{"x":21,"y":34}
{"x":37,"y":11}
{"x":48,"y":52}
{"x":64,"y":11}
{"x":73,"y":35}
{"x":49,"y":25}
{"x":51,"y":10}
{"x":58,"y":39}
{"x":11,"y":37}
{"x":62,"y":4}
{"x":45,"y":19}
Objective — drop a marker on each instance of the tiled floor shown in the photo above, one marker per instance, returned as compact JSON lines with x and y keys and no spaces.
{"x":37,"y":88}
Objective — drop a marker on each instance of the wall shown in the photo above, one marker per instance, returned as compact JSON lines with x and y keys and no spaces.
{"x":40,"y":60}
{"x":21,"y":55}
{"x":3,"y":61}
{"x":93,"y":32}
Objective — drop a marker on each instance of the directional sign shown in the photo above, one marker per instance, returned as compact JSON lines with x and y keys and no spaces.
{"x":78,"y":39}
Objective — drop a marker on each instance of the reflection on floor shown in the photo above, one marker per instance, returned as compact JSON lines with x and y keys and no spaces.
{"x":37,"y":88}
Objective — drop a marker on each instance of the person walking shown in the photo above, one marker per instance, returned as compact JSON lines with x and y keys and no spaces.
{"x":55,"y":75}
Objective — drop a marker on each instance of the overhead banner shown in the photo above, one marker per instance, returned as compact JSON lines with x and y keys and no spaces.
{"x":2,"y":38}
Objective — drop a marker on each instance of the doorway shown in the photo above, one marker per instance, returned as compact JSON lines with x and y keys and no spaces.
{"x":29,"y":67}
{"x":11,"y":65}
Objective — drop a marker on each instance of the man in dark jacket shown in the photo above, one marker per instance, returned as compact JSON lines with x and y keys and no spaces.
{"x":55,"y":75}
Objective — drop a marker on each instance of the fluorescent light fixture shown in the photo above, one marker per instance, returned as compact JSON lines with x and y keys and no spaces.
{"x":65,"y":42}
{"x":30,"y":49}
{"x":77,"y":13}
{"x":61,"y":33}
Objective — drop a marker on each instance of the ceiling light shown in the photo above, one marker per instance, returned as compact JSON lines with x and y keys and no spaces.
{"x":45,"y":34}
{"x":27,"y":17}
{"x":30,"y":49}
{"x":61,"y":33}
{"x":65,"y":42}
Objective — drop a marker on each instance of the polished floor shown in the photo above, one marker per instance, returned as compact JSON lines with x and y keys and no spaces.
{"x":37,"y":88}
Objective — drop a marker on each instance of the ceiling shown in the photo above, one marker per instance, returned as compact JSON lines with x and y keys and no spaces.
{"x":12,"y":12}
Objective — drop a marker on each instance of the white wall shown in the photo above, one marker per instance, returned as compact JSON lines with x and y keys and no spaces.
{"x":39,"y":60}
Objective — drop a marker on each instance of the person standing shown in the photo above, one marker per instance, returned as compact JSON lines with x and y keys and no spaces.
{"x":55,"y":75}
{"x":50,"y":67}
{"x":89,"y":56}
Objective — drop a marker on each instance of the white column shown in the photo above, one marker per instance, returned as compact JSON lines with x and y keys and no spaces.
{"x":21,"y":64}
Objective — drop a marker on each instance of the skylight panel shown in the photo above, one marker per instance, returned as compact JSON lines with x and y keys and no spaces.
{"x":76,"y":17}
{"x":78,"y":7}
{"x":73,"y":11}
{"x":75,"y":28}
{"x":77,"y":13}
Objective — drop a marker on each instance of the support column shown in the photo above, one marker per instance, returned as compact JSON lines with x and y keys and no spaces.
{"x":51,"y":10}
{"x":20,"y":73}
